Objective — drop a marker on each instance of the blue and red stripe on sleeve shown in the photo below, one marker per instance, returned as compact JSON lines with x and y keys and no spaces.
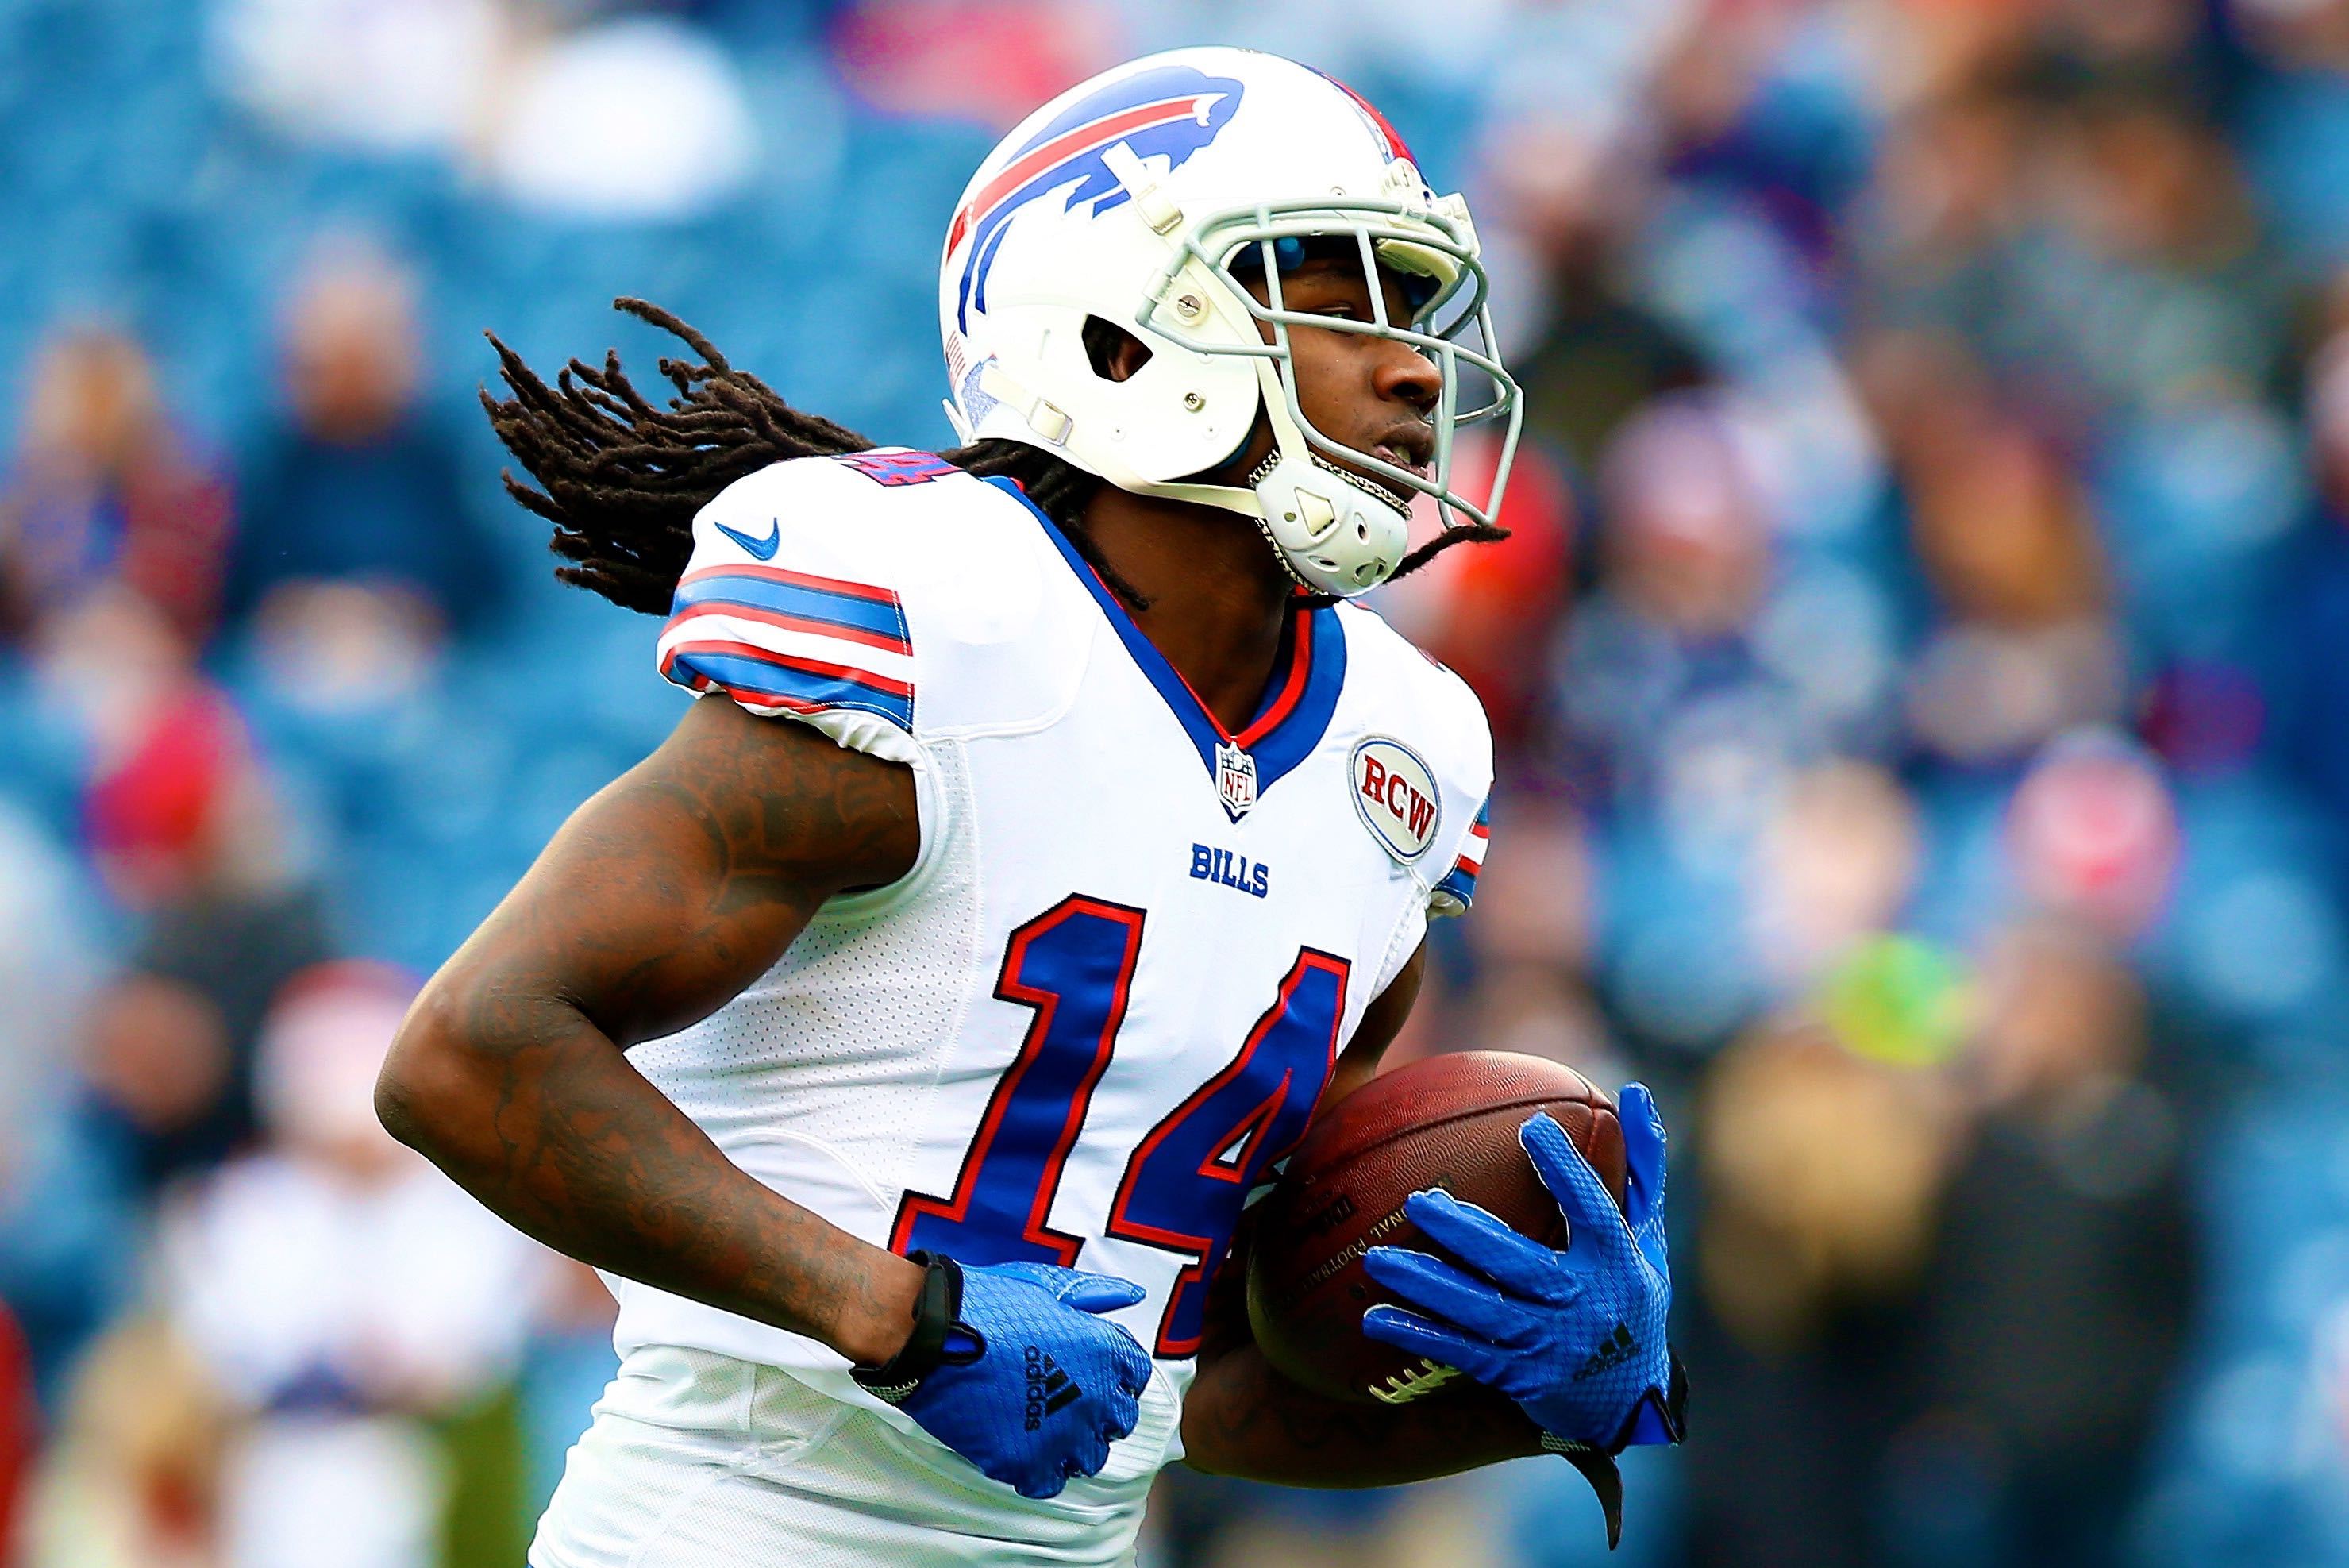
{"x":1459,"y":883}
{"x":777,"y":640}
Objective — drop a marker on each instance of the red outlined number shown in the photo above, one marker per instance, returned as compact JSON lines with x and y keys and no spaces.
{"x":1073,"y":965}
{"x":1184,"y":1186}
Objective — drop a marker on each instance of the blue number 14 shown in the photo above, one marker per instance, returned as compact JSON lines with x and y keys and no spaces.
{"x":1182,"y":1189}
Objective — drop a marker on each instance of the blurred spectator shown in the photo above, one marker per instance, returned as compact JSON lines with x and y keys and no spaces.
{"x":157,"y":1063}
{"x":1820,"y":1173}
{"x":156,"y":1099}
{"x":1940,"y":226}
{"x":338,"y":1291}
{"x":159,"y":798}
{"x":185,"y":823}
{"x":359,"y":547}
{"x":2092,"y":832}
{"x":179,"y":821}
{"x":1835,"y":863}
{"x":1687,"y":558}
{"x":1574,"y":202}
{"x":2021,"y":649}
{"x":2098,"y":250}
{"x":2065,"y":1273}
{"x":1941,"y":1316}
{"x":132,"y":1475}
{"x":1709,"y":658}
{"x":1817,"y":1176}
{"x":105,"y":491}
{"x":1765,"y":105}
{"x":2159,"y":276}
{"x":1709,"y":667}
{"x":2306,"y":671}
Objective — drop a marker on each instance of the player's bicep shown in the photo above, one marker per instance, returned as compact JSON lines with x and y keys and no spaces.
{"x":687,"y":877}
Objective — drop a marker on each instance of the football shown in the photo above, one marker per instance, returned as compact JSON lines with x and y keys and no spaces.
{"x":1449,"y":1121}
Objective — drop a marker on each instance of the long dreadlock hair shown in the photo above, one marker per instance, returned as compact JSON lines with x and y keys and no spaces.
{"x":623,"y":477}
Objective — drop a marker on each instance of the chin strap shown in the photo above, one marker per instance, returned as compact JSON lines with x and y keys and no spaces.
{"x":1256,"y":476}
{"x":1300,"y":493}
{"x":1369,"y":487}
{"x":1653,"y":1421}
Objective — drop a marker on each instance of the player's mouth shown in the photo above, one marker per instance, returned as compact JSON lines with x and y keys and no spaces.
{"x":1410,"y":461}
{"x":1408,"y":450}
{"x":1404,"y":452}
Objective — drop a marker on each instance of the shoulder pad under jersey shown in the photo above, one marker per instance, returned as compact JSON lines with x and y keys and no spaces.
{"x":886,"y":597}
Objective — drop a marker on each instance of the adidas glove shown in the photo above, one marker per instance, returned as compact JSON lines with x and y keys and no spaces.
{"x":1008,"y":1368}
{"x":1575,"y":1336}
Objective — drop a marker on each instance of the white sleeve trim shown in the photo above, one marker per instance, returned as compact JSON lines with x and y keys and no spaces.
{"x":854,"y":731}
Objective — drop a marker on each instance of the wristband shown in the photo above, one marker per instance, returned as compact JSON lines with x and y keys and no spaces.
{"x":933,"y":1316}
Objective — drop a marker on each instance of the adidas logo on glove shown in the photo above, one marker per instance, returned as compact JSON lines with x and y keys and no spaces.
{"x":1050,"y":1389}
{"x":1620,"y":1348}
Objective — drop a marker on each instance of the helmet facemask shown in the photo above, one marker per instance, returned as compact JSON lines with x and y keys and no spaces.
{"x":1341,"y":530}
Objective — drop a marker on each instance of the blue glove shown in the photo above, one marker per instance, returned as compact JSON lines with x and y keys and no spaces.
{"x":1008,"y":1368}
{"x":1576,"y":1337}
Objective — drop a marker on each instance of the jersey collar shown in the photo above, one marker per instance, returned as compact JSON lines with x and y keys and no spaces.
{"x":1311,"y":670}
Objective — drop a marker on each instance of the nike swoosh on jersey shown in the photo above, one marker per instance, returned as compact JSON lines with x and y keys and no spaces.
{"x":763,"y":549}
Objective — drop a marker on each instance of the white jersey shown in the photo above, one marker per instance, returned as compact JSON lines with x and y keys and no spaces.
{"x":1108,"y":995}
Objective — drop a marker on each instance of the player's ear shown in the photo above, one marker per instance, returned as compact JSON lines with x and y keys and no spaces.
{"x":1116,"y":353}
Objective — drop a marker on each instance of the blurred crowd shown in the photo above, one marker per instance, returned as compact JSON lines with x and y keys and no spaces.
{"x":1920,"y":670}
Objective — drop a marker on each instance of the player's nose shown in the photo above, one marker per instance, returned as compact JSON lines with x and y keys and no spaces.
{"x":1401,"y":374}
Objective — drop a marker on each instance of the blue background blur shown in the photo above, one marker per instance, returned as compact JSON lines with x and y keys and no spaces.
{"x":1919,"y":676}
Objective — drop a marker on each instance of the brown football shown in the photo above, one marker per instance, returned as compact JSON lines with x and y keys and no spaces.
{"x":1448,"y":1121}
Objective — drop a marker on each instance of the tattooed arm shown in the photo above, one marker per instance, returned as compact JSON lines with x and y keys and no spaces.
{"x":1243,"y":1419}
{"x":661,"y":898}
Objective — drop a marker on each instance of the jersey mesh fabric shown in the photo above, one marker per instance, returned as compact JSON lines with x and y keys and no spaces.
{"x":701,"y":1461}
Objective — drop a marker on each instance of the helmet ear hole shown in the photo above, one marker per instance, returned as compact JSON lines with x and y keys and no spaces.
{"x":1114,"y":353}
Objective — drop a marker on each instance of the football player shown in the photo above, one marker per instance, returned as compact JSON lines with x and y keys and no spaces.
{"x":904,"y":1037}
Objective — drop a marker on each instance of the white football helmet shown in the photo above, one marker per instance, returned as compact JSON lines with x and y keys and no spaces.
{"x":1130,"y":197}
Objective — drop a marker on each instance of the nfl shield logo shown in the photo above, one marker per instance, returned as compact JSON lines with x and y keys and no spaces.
{"x":1235,"y":779}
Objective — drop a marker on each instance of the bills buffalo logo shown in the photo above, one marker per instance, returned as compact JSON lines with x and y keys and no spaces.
{"x":1396,"y":796}
{"x":1170,"y":113}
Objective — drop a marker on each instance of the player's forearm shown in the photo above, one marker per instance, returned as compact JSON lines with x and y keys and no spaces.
{"x":1242,"y":1418}
{"x":529,"y":1107}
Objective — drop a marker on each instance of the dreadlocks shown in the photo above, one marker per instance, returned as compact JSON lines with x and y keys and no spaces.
{"x":623,"y":477}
